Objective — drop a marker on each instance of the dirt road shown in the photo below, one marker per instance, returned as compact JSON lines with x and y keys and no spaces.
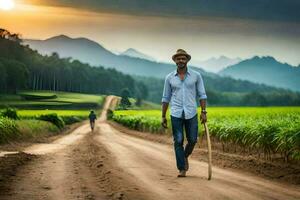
{"x":108,"y":164}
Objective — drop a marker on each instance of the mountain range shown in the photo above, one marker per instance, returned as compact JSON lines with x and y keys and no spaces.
{"x":90,"y":52}
{"x":266,"y":70}
{"x":216,"y":64}
{"x":137,"y":54}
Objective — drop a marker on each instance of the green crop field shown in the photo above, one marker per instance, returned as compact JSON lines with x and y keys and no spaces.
{"x":32,"y":113}
{"x":12,"y":130}
{"x":31,"y":106}
{"x":71,"y":107}
{"x":266,"y":130}
{"x":51,"y":100}
{"x":68,"y":116}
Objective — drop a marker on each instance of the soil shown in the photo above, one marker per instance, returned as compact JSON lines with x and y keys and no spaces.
{"x":110,"y":163}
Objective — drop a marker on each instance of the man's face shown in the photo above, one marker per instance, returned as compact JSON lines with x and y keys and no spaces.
{"x":181,"y":61}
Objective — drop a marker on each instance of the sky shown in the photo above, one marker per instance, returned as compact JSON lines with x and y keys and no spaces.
{"x":204,"y":28}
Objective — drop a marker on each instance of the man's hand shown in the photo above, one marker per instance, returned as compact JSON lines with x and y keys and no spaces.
{"x":203,"y":117}
{"x":164,"y":122}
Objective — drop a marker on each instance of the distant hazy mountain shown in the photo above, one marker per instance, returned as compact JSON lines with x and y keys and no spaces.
{"x":216,"y":64}
{"x":136,"y":54}
{"x":93,"y":53}
{"x":266,"y":70}
{"x":82,"y":49}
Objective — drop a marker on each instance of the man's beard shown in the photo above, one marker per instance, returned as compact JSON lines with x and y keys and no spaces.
{"x":181,"y":65}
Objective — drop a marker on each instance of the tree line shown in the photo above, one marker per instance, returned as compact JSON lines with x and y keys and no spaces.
{"x":23,"y":68}
{"x":224,"y":91}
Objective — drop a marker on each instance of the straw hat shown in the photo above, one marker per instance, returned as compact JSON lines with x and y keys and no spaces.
{"x":181,"y":52}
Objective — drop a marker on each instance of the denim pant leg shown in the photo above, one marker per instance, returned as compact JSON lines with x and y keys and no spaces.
{"x":177,"y":129}
{"x":191,"y":130}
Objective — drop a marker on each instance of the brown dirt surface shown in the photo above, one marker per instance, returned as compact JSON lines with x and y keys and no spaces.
{"x":111,"y":164}
{"x":281,"y":172}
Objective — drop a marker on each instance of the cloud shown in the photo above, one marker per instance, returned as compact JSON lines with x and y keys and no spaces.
{"x":270,"y":10}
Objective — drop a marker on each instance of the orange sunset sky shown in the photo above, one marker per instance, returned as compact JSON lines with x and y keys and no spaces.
{"x":158,"y":29}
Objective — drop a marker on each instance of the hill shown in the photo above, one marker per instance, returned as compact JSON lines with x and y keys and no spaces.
{"x":266,"y":70}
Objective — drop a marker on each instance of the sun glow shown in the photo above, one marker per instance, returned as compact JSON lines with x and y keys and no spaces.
{"x":7,"y":4}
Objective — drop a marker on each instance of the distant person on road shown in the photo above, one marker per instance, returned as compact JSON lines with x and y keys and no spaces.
{"x":92,"y":117}
{"x":183,"y":87}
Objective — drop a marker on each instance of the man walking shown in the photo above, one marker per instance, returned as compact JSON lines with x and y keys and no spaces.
{"x":182,"y":87}
{"x":92,"y":117}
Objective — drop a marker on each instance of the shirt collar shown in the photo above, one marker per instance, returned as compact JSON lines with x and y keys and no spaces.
{"x":187,"y":71}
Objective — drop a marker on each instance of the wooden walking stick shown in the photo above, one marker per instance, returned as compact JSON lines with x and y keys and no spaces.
{"x":209,"y":150}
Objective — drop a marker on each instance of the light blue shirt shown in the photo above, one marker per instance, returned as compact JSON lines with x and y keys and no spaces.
{"x":182,"y":94}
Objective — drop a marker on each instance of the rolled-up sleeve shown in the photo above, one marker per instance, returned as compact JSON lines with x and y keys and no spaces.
{"x":200,"y":88}
{"x":167,"y":91}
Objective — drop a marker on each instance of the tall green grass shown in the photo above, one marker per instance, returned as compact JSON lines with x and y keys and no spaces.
{"x":264,"y":130}
{"x":19,"y":130}
{"x":8,"y":129}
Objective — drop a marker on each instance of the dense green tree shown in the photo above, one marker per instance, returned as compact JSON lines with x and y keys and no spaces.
{"x":254,"y":99}
{"x":24,"y":68}
{"x":230,"y":93}
{"x":2,"y":77}
{"x":125,"y":103}
{"x":16,"y":75}
{"x":138,"y":101}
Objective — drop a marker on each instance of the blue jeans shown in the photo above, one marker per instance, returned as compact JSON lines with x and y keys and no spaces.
{"x":191,"y":130}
